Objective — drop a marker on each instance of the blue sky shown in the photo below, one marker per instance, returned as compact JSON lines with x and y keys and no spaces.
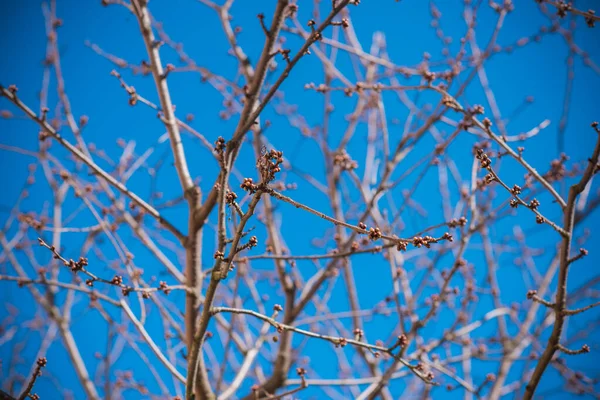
{"x":536,"y":70}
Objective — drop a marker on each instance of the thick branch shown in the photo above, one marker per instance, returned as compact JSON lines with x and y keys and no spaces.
{"x":561,"y":291}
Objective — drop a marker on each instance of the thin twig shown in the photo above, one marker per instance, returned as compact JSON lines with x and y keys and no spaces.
{"x":93,"y":166}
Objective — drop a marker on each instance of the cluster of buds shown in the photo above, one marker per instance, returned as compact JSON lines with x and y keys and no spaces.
{"x":374,"y":233}
{"x":219,"y":255}
{"x":428,"y":76}
{"x":269,"y":164}
{"x":220,"y":145}
{"x":344,"y":161}
{"x":562,"y":8}
{"x":341,"y":342}
{"x":285,"y":53}
{"x":419,"y":241}
{"x":168,"y":69}
{"x":589,"y":18}
{"x":253,"y":242}
{"x":449,"y":102}
{"x":488,"y":179}
{"x":476,"y":110}
{"x":316,"y":34}
{"x":487,"y":123}
{"x":164,"y":287}
{"x":534,"y":204}
{"x":447,"y":236}
{"x":402,"y":340}
{"x":78,"y":265}
{"x":585,"y":348}
{"x":230,"y":197}
{"x":248,"y":185}
{"x":462,"y":221}
{"x":557,"y":169}
{"x":358,"y":333}
{"x":133,"y":97}
{"x":117,"y":280}
{"x":483,"y":158}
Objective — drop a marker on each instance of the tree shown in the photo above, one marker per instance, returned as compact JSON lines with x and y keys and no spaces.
{"x":331,"y":212}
